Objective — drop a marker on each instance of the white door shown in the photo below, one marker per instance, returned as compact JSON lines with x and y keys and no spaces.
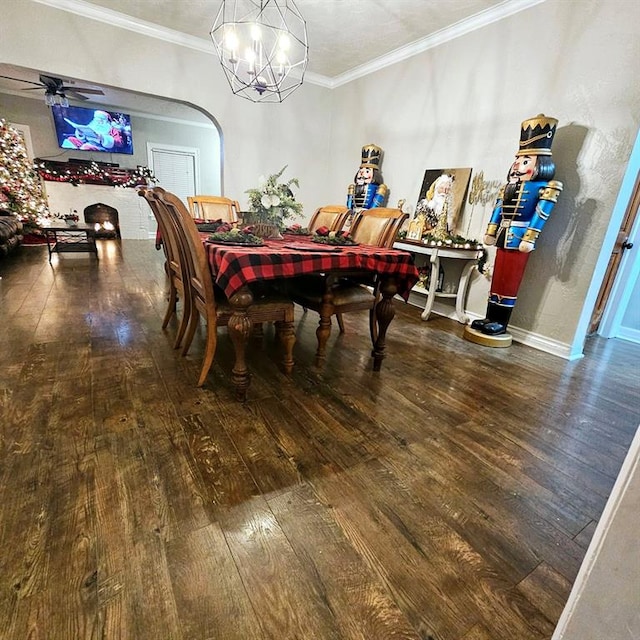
{"x":176,"y":168}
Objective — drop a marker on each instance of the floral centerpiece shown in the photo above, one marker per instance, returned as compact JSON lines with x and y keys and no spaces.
{"x":273,"y":202}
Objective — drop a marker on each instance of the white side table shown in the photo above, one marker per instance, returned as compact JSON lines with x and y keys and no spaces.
{"x":470,"y":256}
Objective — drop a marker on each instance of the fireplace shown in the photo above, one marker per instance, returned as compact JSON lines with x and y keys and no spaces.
{"x":104,"y":218}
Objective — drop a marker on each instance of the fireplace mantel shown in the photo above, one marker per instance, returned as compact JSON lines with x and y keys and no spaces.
{"x":136,"y":219}
{"x":92,"y":172}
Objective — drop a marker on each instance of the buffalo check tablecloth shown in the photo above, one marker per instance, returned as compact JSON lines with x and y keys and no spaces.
{"x":233,"y":267}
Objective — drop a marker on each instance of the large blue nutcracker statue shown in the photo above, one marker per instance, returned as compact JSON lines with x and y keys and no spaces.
{"x":523,"y":206}
{"x":368,"y":190}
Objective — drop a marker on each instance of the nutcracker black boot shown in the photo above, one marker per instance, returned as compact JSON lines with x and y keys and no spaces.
{"x":498,"y":319}
{"x":478,"y":324}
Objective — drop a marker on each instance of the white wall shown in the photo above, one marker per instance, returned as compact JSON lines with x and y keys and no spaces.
{"x":257,"y":138}
{"x":460,"y":104}
{"x":603,"y":604}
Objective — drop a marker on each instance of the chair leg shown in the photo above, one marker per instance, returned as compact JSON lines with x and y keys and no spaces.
{"x":258,"y":331}
{"x":287,"y":335}
{"x":191,"y":330}
{"x":171,"y":306}
{"x":184,"y":321}
{"x":340,"y":320}
{"x":322,"y":334}
{"x":209,"y":353}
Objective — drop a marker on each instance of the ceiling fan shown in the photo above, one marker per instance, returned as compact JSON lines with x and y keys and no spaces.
{"x":57,"y":87}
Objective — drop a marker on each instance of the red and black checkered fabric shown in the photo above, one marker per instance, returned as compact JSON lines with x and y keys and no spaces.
{"x":236,"y":266}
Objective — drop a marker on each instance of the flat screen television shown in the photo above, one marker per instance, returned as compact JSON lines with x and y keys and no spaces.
{"x":92,"y":129}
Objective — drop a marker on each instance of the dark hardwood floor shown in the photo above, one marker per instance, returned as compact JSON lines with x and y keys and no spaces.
{"x":451,"y":496}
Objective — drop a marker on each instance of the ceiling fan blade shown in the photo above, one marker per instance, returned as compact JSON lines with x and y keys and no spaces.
{"x":97,"y":92}
{"x":33,"y":88}
{"x":50,"y":81}
{"x":38,"y":85}
{"x":75,"y":94}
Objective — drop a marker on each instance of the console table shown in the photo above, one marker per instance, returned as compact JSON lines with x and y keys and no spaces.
{"x":435,"y":254}
{"x":80,"y":238}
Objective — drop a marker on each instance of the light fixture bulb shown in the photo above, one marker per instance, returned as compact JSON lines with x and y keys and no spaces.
{"x":256,"y":32}
{"x":284,"y":42}
{"x":231,"y":40}
{"x":49,"y":99}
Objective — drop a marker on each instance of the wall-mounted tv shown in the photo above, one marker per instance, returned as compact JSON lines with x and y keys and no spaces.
{"x":92,"y":129}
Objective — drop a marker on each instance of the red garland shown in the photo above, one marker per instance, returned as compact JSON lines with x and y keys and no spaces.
{"x":93,"y":173}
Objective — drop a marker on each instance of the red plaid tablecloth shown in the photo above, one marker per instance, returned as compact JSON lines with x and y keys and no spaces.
{"x":236,"y":266}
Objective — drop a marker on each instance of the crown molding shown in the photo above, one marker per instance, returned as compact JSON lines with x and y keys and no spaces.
{"x":478,"y":21}
{"x":123,"y":21}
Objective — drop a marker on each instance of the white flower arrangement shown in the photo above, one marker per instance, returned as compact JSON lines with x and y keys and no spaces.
{"x":274,"y":202}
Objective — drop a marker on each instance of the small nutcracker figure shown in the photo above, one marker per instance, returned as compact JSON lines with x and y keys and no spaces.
{"x":523,"y":206}
{"x":368,"y":190}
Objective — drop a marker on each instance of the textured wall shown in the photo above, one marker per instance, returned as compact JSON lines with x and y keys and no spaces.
{"x":257,"y":138}
{"x":458,"y":105}
{"x":461,"y":104}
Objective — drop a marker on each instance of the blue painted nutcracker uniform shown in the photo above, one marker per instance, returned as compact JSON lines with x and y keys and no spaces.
{"x":368,"y":191}
{"x":522,"y":208}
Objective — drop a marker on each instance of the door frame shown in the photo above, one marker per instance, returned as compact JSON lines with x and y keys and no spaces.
{"x":623,"y":280}
{"x":622,"y":244}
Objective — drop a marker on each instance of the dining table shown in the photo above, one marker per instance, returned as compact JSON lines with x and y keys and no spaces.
{"x":237,"y":268}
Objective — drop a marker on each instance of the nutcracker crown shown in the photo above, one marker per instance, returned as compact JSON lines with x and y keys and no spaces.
{"x":536,"y":136}
{"x":371,"y":156}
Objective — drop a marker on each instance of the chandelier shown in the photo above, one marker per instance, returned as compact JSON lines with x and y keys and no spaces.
{"x":262,"y":46}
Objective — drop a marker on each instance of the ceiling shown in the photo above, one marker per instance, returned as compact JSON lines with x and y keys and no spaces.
{"x":347,"y":38}
{"x":343,"y":34}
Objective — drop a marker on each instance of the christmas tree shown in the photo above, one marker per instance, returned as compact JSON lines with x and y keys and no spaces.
{"x":20,"y":187}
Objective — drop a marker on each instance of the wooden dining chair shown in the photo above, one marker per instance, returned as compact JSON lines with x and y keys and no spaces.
{"x":378,"y":226}
{"x":352,"y":292}
{"x":213,"y":208}
{"x":332,"y":216}
{"x":175,"y":267}
{"x":210,"y":303}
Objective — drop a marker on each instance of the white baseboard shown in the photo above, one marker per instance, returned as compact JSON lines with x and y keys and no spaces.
{"x":544,"y":343}
{"x":529,"y":338}
{"x":626,"y":333}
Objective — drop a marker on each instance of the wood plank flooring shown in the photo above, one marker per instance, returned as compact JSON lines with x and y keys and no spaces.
{"x":450,"y":496}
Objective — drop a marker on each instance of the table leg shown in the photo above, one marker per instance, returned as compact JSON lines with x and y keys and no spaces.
{"x":462,"y":290}
{"x":433,"y":285}
{"x":324,"y":326}
{"x":240,"y":327}
{"x":50,"y":240}
{"x":385,"y":311}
